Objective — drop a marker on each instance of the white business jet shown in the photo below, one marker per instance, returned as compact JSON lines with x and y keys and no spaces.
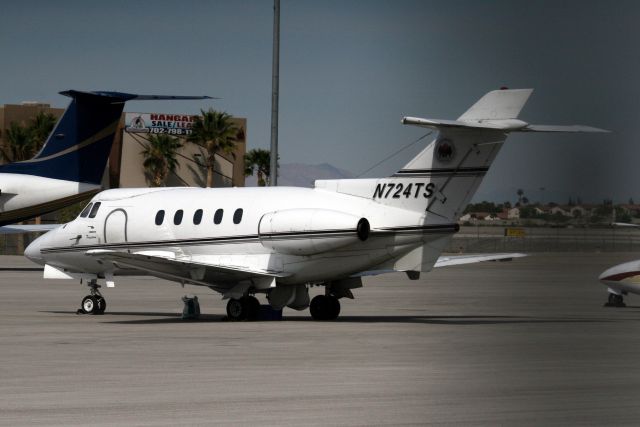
{"x":279,"y":241}
{"x":70,"y":165}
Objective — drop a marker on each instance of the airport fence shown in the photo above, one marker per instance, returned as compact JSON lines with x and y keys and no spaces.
{"x":545,"y":239}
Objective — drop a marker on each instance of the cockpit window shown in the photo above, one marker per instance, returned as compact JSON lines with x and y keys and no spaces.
{"x":86,"y":210}
{"x":94,"y":210}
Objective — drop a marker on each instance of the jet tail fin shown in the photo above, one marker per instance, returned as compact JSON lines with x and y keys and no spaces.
{"x":443,"y":178}
{"x":79,"y":145}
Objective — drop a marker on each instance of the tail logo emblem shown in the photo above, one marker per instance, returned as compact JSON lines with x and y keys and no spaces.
{"x":445,"y":151}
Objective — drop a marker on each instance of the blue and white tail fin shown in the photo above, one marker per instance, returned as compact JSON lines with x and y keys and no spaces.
{"x":79,"y":145}
{"x":443,"y":178}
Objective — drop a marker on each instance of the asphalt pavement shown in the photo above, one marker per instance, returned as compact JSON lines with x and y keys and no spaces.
{"x":526,"y":342}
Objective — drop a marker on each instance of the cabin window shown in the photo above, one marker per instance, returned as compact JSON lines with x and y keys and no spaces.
{"x":159,"y":217}
{"x":94,"y":210}
{"x":217,"y":217}
{"x":237,"y":216}
{"x":197,"y":217}
{"x":86,"y":211}
{"x":177,"y":218}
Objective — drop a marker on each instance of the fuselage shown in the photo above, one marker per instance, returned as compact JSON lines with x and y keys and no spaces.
{"x":228,"y":226}
{"x":25,"y":196}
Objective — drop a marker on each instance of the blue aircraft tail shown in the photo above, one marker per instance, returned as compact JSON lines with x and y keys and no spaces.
{"x":78,"y":147}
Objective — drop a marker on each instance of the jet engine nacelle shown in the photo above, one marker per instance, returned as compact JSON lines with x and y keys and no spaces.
{"x":310,"y":231}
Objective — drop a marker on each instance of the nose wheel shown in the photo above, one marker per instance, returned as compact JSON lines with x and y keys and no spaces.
{"x":615,"y":301}
{"x":93,"y":303}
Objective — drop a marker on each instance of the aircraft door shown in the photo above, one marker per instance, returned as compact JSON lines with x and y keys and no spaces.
{"x":115,"y":226}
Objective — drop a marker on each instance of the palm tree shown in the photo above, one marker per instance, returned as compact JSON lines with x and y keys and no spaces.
{"x":160,"y":158}
{"x":41,"y":126}
{"x":19,"y":144}
{"x":258,"y":161}
{"x":215,"y":132}
{"x":23,"y":142}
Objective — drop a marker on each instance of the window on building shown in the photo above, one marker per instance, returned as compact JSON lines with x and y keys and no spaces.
{"x":94,"y":210}
{"x":160,"y":217}
{"x":237,"y":216}
{"x":197,"y":217}
{"x":217,"y":217}
{"x":177,"y":218}
{"x":86,"y":211}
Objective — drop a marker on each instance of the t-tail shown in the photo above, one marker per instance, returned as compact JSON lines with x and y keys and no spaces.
{"x":443,"y":178}
{"x":79,"y":145}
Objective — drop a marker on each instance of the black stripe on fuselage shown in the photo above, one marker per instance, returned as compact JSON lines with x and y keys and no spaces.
{"x":424,"y":229}
{"x":441,"y":172}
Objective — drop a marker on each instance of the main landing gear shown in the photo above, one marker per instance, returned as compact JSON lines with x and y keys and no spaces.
{"x":324,"y":307}
{"x":94,"y":303}
{"x":245,"y":308}
{"x":615,"y":300}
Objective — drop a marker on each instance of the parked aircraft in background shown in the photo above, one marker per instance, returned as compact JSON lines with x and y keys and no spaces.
{"x":280,"y":241}
{"x":620,"y":280}
{"x":70,"y":165}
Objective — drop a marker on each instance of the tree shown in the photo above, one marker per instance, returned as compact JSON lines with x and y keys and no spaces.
{"x":160,"y":153}
{"x":23,"y":142}
{"x":258,"y":161}
{"x":520,"y":193}
{"x":215,"y":132}
{"x":41,"y":126}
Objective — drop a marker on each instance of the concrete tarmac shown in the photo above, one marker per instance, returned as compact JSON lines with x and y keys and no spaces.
{"x":526,"y":342}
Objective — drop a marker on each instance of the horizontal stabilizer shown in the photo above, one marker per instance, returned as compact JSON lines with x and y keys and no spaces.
{"x":555,"y":128}
{"x":504,"y":125}
{"x":122,"y":96}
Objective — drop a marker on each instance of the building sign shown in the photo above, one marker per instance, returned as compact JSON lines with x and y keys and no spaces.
{"x":158,"y":123}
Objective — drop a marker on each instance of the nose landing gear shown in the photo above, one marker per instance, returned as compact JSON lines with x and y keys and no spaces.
{"x":94,"y":303}
{"x":615,"y":300}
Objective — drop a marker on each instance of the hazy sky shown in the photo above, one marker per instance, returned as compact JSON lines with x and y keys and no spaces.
{"x":351,"y":69}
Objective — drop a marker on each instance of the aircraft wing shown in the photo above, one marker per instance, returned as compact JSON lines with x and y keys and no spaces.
{"x":27,"y":228}
{"x":446,"y":261}
{"x":207,"y":271}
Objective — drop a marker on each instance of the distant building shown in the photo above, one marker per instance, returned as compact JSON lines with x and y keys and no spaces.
{"x":513,"y":213}
{"x":125,"y":162}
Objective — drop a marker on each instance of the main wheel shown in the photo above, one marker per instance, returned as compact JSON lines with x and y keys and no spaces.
{"x":317,"y":307}
{"x":252,"y":307}
{"x":102,"y":305}
{"x":236,"y":310}
{"x":324,"y":307}
{"x":89,"y":304}
{"x":334,"y":308}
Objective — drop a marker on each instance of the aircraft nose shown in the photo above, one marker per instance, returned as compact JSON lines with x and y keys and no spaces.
{"x":33,"y":251}
{"x":629,"y":271}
